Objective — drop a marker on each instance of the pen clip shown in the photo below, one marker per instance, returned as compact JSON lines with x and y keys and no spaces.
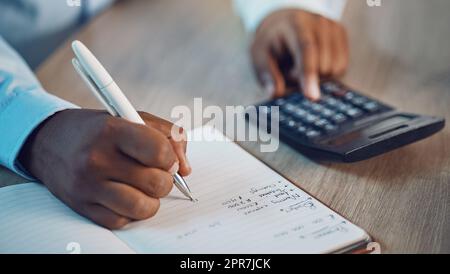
{"x":92,"y":85}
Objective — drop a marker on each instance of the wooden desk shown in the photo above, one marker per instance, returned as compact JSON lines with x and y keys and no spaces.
{"x":165,"y":53}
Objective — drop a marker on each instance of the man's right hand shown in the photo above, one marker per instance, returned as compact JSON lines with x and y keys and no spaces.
{"x":106,"y":168}
{"x":297,"y":46}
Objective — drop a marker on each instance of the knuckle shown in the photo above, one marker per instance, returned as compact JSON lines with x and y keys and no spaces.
{"x":163,"y":185}
{"x":163,"y":154}
{"x":146,"y":208}
{"x":140,"y":208}
{"x":89,"y":164}
{"x":93,"y":160}
{"x":154,"y":209}
{"x":116,"y":223}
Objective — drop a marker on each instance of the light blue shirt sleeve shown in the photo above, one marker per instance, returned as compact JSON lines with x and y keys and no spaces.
{"x":253,"y":12}
{"x":23,"y":106}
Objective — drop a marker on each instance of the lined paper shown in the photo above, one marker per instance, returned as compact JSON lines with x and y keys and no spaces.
{"x":243,"y":207}
{"x":32,"y":220}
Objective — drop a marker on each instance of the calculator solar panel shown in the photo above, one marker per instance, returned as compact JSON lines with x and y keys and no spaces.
{"x":346,"y":125}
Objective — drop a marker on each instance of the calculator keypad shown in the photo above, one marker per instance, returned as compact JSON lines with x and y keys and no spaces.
{"x":337,"y":107}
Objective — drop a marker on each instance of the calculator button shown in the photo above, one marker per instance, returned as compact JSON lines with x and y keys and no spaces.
{"x":321,"y":123}
{"x":291,"y":124}
{"x":354,"y":113}
{"x":307,"y":104}
{"x":327,"y":113}
{"x":371,"y":107}
{"x":339,"y":118}
{"x":349,"y":96}
{"x":310,"y":118}
{"x":289,"y":107}
{"x":301,"y":130}
{"x":343,"y":107}
{"x":300,"y":113}
{"x":359,"y":101}
{"x":330,"y":128}
{"x":312,"y":134}
{"x":330,"y":101}
{"x":317,"y":107}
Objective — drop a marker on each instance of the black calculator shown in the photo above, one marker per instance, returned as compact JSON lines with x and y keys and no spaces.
{"x":346,"y":125}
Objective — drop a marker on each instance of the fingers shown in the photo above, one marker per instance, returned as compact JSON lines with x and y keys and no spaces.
{"x":146,"y":145}
{"x":267,"y":70}
{"x":326,"y":44}
{"x":340,"y":50}
{"x":304,"y":50}
{"x":153,"y":182}
{"x":104,"y":216}
{"x":319,"y":51}
{"x":333,"y":45}
{"x":175,"y":135}
{"x":315,"y":47}
{"x":180,"y":150}
{"x":127,"y":201}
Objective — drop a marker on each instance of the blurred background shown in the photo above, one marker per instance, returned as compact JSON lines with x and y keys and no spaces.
{"x":413,"y":32}
{"x":400,"y":28}
{"x":35,"y":30}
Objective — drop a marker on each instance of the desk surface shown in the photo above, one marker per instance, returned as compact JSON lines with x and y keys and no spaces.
{"x":165,"y":53}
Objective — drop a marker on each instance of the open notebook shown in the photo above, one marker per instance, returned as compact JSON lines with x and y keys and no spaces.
{"x":243,"y":207}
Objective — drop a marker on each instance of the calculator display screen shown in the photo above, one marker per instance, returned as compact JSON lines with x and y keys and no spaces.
{"x":373,"y":131}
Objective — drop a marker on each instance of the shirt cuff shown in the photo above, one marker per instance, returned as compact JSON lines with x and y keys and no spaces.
{"x":20,"y":117}
{"x":253,"y":12}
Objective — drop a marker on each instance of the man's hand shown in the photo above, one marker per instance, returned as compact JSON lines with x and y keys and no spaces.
{"x":297,"y":46}
{"x":105,"y":168}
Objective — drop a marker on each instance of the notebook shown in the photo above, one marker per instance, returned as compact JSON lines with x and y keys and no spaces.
{"x":243,"y":207}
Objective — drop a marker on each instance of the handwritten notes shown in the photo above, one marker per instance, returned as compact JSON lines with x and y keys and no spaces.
{"x":243,"y":207}
{"x":276,"y":194}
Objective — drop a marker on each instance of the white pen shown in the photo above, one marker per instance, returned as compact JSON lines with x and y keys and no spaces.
{"x":110,"y":95}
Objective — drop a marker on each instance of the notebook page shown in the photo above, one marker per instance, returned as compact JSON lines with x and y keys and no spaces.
{"x":34,"y":221}
{"x":243,"y":207}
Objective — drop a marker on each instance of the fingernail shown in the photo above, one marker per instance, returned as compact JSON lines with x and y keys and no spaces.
{"x":315,"y":91}
{"x":312,"y":90}
{"x":174,"y":169}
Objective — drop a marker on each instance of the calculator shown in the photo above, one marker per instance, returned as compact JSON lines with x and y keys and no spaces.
{"x":345,"y":125}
